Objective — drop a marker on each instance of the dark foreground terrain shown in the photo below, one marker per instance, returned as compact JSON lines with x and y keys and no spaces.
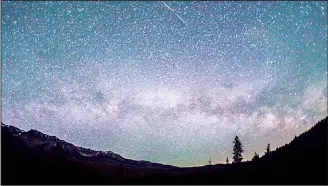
{"x":35,"y":158}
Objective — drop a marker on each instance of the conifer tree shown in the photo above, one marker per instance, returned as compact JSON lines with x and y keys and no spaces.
{"x":255,"y":157}
{"x":268,"y":149}
{"x":237,"y":150}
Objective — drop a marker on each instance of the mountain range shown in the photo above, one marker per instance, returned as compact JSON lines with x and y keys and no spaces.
{"x":31,"y":157}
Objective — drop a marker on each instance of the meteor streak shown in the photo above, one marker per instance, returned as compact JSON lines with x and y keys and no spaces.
{"x":174,"y":13}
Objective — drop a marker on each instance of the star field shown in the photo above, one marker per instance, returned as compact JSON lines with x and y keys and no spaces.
{"x":169,"y":82}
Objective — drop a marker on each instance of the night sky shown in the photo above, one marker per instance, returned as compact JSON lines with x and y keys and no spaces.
{"x":169,"y":82}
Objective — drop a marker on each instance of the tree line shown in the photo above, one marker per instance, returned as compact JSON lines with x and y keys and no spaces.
{"x":237,"y":155}
{"x":238,"y":151}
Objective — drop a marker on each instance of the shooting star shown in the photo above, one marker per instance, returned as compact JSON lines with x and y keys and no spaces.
{"x":297,"y":28}
{"x":174,"y":13}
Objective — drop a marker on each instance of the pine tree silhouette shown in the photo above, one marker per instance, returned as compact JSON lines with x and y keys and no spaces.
{"x":227,"y":160}
{"x":268,"y":149}
{"x":255,"y":157}
{"x":237,"y":150}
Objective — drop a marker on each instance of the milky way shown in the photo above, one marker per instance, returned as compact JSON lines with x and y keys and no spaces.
{"x":169,"y":82}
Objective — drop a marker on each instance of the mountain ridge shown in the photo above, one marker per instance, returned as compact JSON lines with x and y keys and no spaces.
{"x":44,"y":141}
{"x":292,"y":163}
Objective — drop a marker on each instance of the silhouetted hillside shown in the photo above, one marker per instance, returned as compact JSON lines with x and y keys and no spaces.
{"x":35,"y":158}
{"x":303,"y":161}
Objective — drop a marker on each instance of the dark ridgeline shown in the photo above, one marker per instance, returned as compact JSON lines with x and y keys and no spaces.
{"x":35,"y":158}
